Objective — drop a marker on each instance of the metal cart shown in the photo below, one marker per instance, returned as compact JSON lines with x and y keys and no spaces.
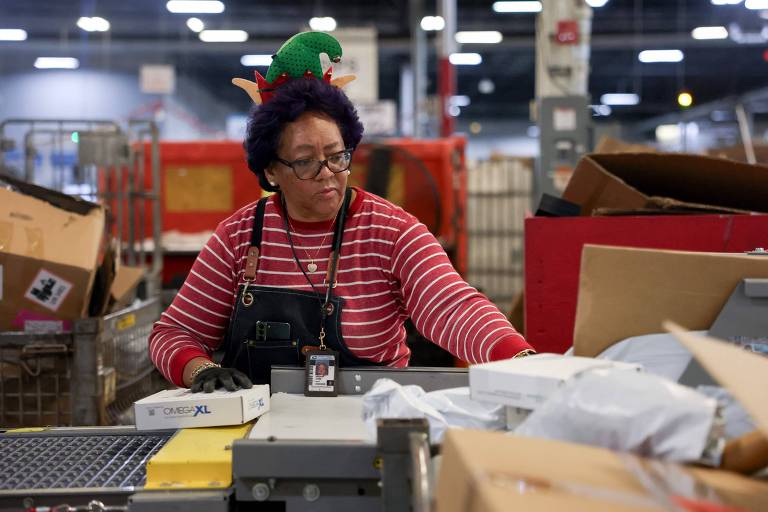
{"x":90,"y":376}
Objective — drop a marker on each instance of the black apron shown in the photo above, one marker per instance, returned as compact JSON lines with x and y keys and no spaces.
{"x":249,"y":344}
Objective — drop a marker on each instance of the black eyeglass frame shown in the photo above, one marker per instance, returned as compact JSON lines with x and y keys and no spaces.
{"x":321,"y":164}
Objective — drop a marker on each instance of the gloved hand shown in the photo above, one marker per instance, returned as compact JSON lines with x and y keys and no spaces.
{"x":212,"y":378}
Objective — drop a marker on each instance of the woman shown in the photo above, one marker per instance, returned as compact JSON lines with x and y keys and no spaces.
{"x":262,"y":296}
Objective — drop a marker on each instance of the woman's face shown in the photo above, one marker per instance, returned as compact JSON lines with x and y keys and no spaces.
{"x":311,"y":136}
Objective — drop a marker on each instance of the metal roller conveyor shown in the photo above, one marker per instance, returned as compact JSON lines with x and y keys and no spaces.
{"x":58,"y":466}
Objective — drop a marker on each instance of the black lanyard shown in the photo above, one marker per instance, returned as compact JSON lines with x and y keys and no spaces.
{"x":326,"y":307}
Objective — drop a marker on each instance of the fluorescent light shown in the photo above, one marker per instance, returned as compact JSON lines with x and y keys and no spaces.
{"x":596,"y":3}
{"x":479,"y":37}
{"x":619,"y":99}
{"x":94,"y":24}
{"x":521,"y":6}
{"x":256,"y":60}
{"x":756,"y":4}
{"x":195,"y":6}
{"x":726,"y":2}
{"x":601,"y":110}
{"x":486,"y":86}
{"x":650,"y":56}
{"x":57,"y":63}
{"x":465,"y":59}
{"x":322,"y":24}
{"x":224,"y":36}
{"x":433,"y":23}
{"x":459,"y":101}
{"x":195,"y":24}
{"x":12,"y":34}
{"x":710,"y":33}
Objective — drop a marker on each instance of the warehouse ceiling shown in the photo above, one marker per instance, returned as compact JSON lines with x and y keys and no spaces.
{"x":143,"y":31}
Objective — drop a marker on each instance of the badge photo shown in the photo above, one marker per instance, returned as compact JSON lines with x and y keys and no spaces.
{"x":321,"y":373}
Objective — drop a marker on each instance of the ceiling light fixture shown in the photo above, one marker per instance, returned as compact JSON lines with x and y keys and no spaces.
{"x":57,"y":63}
{"x":653,"y":56}
{"x":195,"y":24}
{"x":486,"y":86}
{"x":12,"y":34}
{"x":520,"y":6}
{"x":256,"y":60}
{"x":620,"y":99}
{"x":756,"y":4}
{"x":322,"y":24}
{"x":726,"y":2}
{"x":459,"y":101}
{"x":432,"y":23}
{"x":710,"y":33}
{"x":224,"y":36}
{"x":94,"y":24}
{"x":479,"y":37}
{"x":195,"y":6}
{"x":465,"y":59}
{"x":596,"y":3}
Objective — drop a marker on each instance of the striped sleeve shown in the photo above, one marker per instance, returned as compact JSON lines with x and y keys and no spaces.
{"x":196,"y":321}
{"x":443,"y":307}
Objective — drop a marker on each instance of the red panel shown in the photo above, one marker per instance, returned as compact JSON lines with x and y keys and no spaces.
{"x":553,"y":257}
{"x":226,"y":153}
{"x":444,"y":158}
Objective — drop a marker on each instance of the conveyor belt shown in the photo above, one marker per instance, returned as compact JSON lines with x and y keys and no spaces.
{"x":77,"y":461}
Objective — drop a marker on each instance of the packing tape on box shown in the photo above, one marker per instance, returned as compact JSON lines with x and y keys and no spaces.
{"x":6,"y":235}
{"x":35,"y":243}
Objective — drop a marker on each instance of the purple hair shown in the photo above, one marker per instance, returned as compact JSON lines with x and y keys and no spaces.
{"x":266,"y":122}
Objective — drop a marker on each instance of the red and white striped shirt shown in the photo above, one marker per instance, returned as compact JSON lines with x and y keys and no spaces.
{"x":390,"y":268}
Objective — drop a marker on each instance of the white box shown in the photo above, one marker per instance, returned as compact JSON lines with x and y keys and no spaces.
{"x":527,"y":382}
{"x":180,"y":408}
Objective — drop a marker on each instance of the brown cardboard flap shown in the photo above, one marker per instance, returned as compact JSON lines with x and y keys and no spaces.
{"x":483,"y":471}
{"x":626,"y":292}
{"x":743,"y":373}
{"x":629,"y":180}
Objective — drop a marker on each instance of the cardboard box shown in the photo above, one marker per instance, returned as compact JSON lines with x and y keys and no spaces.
{"x":527,"y":382}
{"x":123,"y":290}
{"x":613,"y":145}
{"x":627,"y":292}
{"x":666,"y":182}
{"x":180,"y":408}
{"x":490,"y":471}
{"x":553,"y":248}
{"x":49,"y":251}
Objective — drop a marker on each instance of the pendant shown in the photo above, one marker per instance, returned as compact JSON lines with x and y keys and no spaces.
{"x":312,"y":267}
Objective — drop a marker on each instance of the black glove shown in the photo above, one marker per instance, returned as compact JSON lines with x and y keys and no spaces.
{"x":212,"y":378}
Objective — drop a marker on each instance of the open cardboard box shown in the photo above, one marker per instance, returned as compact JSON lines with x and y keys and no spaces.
{"x":626,"y":292}
{"x":666,"y":183}
{"x":49,"y":251}
{"x":491,"y":471}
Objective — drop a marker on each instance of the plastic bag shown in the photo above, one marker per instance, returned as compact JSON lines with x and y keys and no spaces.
{"x":627,"y":411}
{"x":442,"y":409}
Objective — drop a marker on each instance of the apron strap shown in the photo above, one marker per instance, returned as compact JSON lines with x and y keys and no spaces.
{"x":252,"y":260}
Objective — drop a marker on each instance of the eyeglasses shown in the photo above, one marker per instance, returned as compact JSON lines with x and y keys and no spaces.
{"x":309,"y":168}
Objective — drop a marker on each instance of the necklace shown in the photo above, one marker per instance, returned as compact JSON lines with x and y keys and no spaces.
{"x":312,"y":266}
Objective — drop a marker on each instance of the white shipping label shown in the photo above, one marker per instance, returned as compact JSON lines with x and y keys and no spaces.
{"x":48,"y":290}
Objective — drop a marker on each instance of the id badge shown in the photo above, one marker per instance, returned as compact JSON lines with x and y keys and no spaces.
{"x":321,"y":373}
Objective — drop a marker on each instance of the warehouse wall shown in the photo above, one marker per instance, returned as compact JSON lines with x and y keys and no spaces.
{"x":115,"y":96}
